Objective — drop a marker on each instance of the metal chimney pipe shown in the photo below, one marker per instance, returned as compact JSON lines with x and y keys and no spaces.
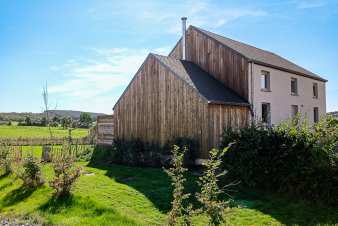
{"x":184,"y":25}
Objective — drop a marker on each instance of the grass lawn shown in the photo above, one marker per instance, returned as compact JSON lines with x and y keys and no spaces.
{"x":35,"y":131}
{"x":120,"y":195}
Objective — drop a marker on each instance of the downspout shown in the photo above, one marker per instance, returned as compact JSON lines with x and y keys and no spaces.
{"x":251,"y":91}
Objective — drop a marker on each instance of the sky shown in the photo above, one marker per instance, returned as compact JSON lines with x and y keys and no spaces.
{"x":87,"y":51}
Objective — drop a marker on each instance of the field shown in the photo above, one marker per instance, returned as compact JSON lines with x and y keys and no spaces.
{"x":38,"y":132}
{"x":120,"y":195}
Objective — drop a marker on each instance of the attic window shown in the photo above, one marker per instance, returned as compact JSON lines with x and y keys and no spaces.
{"x":265,"y":81}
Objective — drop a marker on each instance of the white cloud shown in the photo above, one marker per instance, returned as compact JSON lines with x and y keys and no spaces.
{"x":98,"y":80}
{"x":309,"y":4}
{"x":107,"y":69}
{"x":200,"y":13}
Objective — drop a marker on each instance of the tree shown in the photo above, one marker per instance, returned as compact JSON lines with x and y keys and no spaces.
{"x":45,"y":101}
{"x":85,"y":119}
{"x":66,"y":122}
{"x":43,"y":121}
{"x":28,"y":121}
{"x":56,"y":119}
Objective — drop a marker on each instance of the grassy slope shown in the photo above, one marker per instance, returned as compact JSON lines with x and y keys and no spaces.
{"x":34,"y":131}
{"x":119,"y":195}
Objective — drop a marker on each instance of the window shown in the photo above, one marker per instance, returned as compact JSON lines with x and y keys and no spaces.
{"x":266,"y":113}
{"x":315,"y":90}
{"x":294,"y":88}
{"x":294,"y":110}
{"x":315,"y":114}
{"x":265,"y":81}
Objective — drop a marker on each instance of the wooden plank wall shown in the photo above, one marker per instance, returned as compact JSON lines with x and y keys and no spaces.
{"x":223,"y":63}
{"x":158,"y":106}
{"x":224,"y":116}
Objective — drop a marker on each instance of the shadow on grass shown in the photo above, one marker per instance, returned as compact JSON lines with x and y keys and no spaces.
{"x":156,"y":186}
{"x":83,"y":208}
{"x":17,"y":195}
{"x":153,"y":183}
{"x":8,"y":184}
{"x":288,"y":211}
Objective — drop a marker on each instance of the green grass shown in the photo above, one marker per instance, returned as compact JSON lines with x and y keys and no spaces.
{"x":120,"y":195}
{"x":38,"y":132}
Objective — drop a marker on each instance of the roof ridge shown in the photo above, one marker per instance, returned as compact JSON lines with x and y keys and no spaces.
{"x":243,"y":43}
{"x":260,"y":56}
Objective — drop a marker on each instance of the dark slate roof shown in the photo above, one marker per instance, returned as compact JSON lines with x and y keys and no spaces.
{"x":206,"y":85}
{"x":260,"y":56}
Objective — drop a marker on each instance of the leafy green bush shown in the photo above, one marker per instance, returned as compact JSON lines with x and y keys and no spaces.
{"x":137,"y":153}
{"x":291,"y":157}
{"x":29,"y":171}
{"x":65,"y":172}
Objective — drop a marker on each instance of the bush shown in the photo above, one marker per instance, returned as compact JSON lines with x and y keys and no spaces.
{"x":29,"y":171}
{"x":65,"y":172}
{"x":291,"y":157}
{"x":209,"y":197}
{"x":5,"y":161}
{"x":176,"y":173}
{"x":137,"y":153}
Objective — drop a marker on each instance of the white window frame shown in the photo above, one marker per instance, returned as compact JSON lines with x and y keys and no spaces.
{"x":265,"y":81}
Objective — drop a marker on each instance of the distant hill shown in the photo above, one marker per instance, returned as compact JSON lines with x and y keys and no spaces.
{"x":20,"y":116}
{"x":72,"y":114}
{"x":334,"y":114}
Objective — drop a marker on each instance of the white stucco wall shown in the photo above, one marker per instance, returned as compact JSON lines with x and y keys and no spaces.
{"x":280,"y":97}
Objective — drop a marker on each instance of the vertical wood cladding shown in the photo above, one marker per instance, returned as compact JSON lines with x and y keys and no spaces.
{"x":223,"y":63}
{"x":158,"y":106}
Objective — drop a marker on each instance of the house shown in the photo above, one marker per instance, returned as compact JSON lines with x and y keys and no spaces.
{"x":209,"y":82}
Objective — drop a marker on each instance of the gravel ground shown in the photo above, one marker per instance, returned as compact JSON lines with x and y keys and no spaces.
{"x":15,"y":222}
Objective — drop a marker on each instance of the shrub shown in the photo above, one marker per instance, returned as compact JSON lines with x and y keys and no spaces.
{"x":176,"y":173}
{"x":137,"y":153}
{"x":29,"y":171}
{"x":65,"y":172}
{"x":5,"y":161}
{"x":209,"y":196}
{"x":189,"y":144}
{"x":291,"y":157}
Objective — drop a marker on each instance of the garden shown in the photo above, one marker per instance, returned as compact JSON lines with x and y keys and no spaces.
{"x":285,"y":175}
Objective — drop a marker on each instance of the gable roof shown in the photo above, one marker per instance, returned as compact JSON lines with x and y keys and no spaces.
{"x":206,"y":85}
{"x":260,"y":56}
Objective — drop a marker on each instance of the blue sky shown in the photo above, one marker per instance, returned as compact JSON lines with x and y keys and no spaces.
{"x":88,"y":51}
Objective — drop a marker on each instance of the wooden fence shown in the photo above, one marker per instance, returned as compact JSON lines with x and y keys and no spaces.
{"x":23,"y":141}
{"x":17,"y":152}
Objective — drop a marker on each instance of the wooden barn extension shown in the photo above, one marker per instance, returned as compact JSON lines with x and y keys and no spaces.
{"x":170,"y":98}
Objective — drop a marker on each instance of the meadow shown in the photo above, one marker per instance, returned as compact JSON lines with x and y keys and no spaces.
{"x":121,"y":195}
{"x":15,"y":131}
